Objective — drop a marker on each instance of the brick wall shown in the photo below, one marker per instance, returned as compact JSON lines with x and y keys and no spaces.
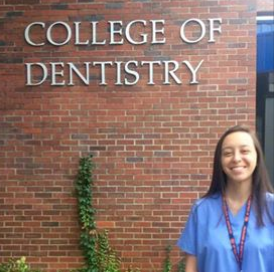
{"x":152,"y":144}
{"x":265,"y":5}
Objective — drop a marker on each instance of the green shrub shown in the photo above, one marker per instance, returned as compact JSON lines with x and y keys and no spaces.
{"x":98,"y":255}
{"x":167,"y":263}
{"x":17,"y":266}
{"x":181,"y":265}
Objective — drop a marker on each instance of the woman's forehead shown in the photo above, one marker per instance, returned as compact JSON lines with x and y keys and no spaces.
{"x":238,"y":139}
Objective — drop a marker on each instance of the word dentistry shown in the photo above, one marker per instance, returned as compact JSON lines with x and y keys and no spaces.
{"x":117,"y":33}
{"x":57,"y":72}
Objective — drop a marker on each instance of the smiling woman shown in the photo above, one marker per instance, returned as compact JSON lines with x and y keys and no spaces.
{"x":238,"y":208}
{"x":239,"y":159}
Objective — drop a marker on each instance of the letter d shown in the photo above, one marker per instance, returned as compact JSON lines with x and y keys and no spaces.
{"x":29,"y":73}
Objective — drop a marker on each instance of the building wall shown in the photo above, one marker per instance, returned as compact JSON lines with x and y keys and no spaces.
{"x":265,"y":5}
{"x":152,"y":143}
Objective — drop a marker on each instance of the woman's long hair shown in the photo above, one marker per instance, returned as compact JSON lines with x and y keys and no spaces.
{"x":261,"y":183}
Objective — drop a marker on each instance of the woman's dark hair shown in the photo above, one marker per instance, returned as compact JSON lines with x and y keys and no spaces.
{"x":261,"y":183}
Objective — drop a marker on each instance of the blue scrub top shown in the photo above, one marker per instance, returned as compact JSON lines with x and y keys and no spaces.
{"x":206,"y":237}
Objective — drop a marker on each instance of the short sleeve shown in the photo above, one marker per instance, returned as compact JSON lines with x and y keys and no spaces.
{"x":188,"y":239}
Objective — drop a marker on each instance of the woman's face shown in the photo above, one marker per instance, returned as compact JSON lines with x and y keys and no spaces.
{"x":238,"y":157}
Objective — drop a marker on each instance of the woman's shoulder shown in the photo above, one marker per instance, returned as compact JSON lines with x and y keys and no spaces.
{"x":269,"y":197}
{"x":270,"y":205}
{"x":207,"y":202}
{"x":270,"y":200}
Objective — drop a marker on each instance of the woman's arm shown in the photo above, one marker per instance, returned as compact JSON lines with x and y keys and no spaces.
{"x":191,"y":265}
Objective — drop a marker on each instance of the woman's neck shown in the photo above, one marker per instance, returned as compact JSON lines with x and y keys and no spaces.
{"x":236,"y":195}
{"x":238,"y":192}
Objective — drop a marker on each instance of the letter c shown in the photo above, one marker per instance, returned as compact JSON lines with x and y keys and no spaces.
{"x":27,"y":34}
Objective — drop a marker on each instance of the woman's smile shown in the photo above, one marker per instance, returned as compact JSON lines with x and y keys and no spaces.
{"x":239,"y":157}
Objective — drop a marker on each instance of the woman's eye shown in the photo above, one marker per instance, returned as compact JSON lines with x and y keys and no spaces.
{"x":227,"y":154}
{"x":245,"y":151}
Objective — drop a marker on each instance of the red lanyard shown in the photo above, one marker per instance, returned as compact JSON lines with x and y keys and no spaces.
{"x":238,"y":256}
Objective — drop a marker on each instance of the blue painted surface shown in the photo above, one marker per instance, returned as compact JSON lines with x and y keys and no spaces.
{"x":265,"y":46}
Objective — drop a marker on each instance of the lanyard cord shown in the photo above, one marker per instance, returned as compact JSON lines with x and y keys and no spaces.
{"x":239,"y":257}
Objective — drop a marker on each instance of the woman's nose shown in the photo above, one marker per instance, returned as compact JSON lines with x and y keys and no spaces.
{"x":237,"y":156}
